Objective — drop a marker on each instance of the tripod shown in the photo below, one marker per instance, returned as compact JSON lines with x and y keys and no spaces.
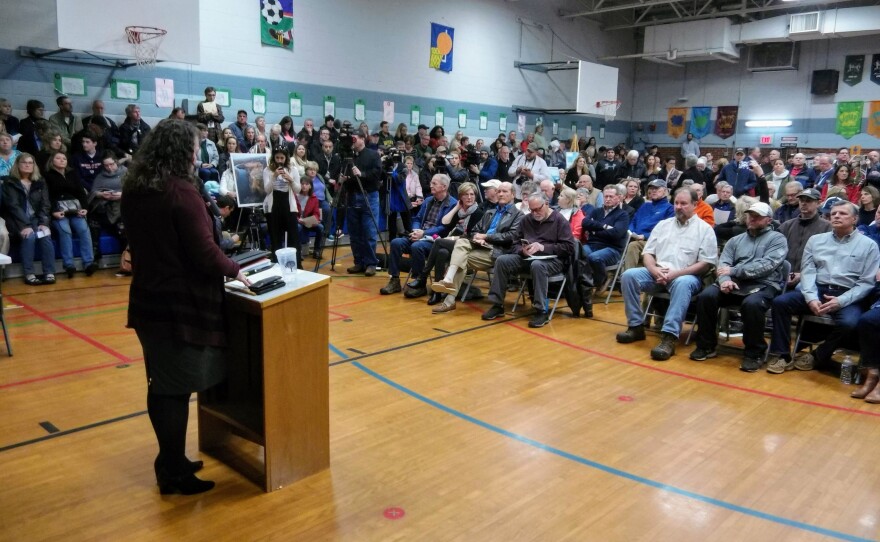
{"x":251,"y":238}
{"x":347,"y":165}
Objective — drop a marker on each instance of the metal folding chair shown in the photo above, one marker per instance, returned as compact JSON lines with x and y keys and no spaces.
{"x":617,"y":269}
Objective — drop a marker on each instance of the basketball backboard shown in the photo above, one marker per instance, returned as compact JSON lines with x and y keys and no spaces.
{"x":98,"y":26}
{"x":596,"y":84}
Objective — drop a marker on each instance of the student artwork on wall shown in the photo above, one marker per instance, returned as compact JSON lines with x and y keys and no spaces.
{"x":415,"y":115}
{"x":853,"y":68}
{"x":164,"y":92}
{"x":502,"y":122}
{"x":296,"y":104}
{"x":249,"y":178}
{"x":725,"y":121}
{"x":276,"y":23}
{"x":258,"y":101}
{"x":442,"y":38}
{"x":676,"y":119}
{"x":70,"y":85}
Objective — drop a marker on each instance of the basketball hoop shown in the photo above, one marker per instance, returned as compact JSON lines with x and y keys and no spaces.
{"x":146,"y":41}
{"x":609,"y":108}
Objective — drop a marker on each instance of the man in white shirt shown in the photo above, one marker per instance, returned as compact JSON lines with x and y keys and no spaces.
{"x":679,"y":252}
{"x":528,"y":167}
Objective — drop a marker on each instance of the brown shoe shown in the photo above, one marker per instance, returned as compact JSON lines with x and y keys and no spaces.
{"x":631,"y":335}
{"x":444,"y":287}
{"x":356,"y":268}
{"x":443,"y":307}
{"x":393,"y":287}
{"x":666,"y":348}
{"x":871,"y":380}
{"x":874,"y":396}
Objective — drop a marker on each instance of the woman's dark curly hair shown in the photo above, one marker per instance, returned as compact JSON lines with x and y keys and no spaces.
{"x":166,"y":152}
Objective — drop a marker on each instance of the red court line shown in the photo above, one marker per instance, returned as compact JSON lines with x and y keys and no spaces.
{"x":72,"y":331}
{"x":66,"y":336}
{"x":87,"y":307}
{"x":66,"y":373}
{"x":356,"y":302}
{"x":351,"y":287}
{"x":696,"y":378}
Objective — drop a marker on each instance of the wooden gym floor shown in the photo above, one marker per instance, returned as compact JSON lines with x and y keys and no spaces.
{"x":442,"y":428}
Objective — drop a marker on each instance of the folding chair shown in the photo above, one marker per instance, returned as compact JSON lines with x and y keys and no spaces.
{"x":665,"y":295}
{"x":473,"y":275}
{"x":4,"y":261}
{"x":616,"y":268}
{"x":558,"y":278}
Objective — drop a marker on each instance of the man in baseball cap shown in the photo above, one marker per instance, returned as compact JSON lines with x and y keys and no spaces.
{"x":749,"y":274}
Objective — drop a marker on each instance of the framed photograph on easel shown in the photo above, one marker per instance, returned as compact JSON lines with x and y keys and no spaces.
{"x":249,"y":178}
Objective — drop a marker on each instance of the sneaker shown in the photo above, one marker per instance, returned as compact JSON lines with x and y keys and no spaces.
{"x":702,"y":354}
{"x":666,"y":348}
{"x":356,"y":268}
{"x":540,"y":319}
{"x":631,"y":335}
{"x":494,"y":312}
{"x":750,"y":365}
{"x":370,"y":271}
{"x":49,"y":279}
{"x":777,"y":365}
{"x":804,"y":361}
{"x":393,"y":286}
{"x":444,"y":287}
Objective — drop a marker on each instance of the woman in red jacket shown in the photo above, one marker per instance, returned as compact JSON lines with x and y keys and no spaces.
{"x":176,"y":295}
{"x":309,"y":217}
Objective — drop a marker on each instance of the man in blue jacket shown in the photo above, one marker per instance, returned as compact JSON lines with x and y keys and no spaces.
{"x":427,"y":226}
{"x":607,"y":227}
{"x":650,"y":213}
{"x":738,"y":174}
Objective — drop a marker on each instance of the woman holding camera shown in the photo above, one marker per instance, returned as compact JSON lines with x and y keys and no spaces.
{"x":281,"y":182}
{"x":68,"y":201}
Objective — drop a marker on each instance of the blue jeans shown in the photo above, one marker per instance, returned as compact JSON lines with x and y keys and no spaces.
{"x":325,"y":216}
{"x":792,"y":304}
{"x":65,"y":228}
{"x":304,"y":237}
{"x":47,"y":253}
{"x":418,"y":253}
{"x":639,"y":279}
{"x":362,"y":227}
{"x":599,"y":259}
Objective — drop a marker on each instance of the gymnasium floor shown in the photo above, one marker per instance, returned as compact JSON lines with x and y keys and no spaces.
{"x":442,"y":428}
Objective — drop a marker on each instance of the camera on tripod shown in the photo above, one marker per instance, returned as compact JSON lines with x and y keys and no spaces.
{"x":391,"y":159}
{"x":343,"y":145}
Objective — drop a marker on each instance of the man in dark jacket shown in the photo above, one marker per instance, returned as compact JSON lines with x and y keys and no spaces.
{"x":608,"y":229}
{"x":631,"y":168}
{"x":493,"y":237}
{"x":362,"y":210}
{"x":134,"y":130}
{"x":607,"y":169}
{"x":738,"y":174}
{"x":542,"y":246}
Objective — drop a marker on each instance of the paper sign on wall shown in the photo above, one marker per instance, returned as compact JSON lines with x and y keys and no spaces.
{"x":484,"y":120}
{"x":296,"y":104}
{"x":329,"y":106}
{"x":164,"y":92}
{"x":438,"y":117}
{"x":589,"y":131}
{"x":70,"y":85}
{"x":258,"y":101}
{"x":415,"y":115}
{"x":224,"y":97}
{"x":502,"y":122}
{"x":601,"y":131}
{"x":388,"y":111}
{"x":125,"y":89}
{"x":462,"y":118}
{"x":360,"y":110}
{"x":521,"y":124}
{"x":555,"y":127}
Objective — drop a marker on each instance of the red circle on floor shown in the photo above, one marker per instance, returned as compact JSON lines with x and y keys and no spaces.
{"x":394,"y":513}
{"x":626,"y":398}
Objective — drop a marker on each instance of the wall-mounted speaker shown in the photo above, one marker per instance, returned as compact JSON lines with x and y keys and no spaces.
{"x":824,"y":82}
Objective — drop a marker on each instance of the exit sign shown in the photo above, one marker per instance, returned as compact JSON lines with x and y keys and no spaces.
{"x":766,"y":140}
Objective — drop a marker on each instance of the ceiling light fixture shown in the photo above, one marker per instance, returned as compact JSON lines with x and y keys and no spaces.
{"x":768,"y":123}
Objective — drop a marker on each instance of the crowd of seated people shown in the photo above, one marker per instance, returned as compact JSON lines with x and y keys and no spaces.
{"x":63,"y":177}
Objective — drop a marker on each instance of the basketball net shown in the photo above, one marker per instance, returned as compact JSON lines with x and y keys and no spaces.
{"x":145,"y":41}
{"x":609,"y":108}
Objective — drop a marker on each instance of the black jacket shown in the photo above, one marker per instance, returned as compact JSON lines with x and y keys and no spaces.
{"x":505,"y":231}
{"x":367,"y":161}
{"x":65,"y":186}
{"x":14,"y":210}
{"x":132,"y":135}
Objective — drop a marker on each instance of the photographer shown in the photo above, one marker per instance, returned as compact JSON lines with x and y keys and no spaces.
{"x":487,"y":167}
{"x":406,"y":195}
{"x":528,"y":167}
{"x":362,"y":211}
{"x":457,"y":174}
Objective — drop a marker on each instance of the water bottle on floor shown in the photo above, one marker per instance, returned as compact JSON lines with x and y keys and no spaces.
{"x":847,"y":369}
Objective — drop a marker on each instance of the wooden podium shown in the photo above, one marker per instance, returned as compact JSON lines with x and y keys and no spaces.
{"x":277,"y":391}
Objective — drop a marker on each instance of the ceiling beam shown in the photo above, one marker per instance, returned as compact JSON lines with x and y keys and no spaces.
{"x":620,"y":7}
{"x":730,"y":13}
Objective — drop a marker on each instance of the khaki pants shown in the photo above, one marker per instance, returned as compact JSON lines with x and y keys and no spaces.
{"x":464,"y":255}
{"x":633,"y":256}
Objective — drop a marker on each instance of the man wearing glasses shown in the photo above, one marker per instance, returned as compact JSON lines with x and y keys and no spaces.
{"x":542,"y":248}
{"x":211,"y":114}
{"x":528,"y":167}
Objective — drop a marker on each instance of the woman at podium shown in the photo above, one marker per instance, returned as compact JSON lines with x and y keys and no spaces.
{"x":176,"y":296}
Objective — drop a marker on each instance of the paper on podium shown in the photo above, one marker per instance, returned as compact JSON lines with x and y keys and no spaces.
{"x":238,"y":286}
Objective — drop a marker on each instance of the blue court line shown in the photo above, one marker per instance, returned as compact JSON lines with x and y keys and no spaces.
{"x":337,"y":351}
{"x":611,"y":470}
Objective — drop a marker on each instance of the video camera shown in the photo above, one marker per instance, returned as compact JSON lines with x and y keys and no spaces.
{"x":343,"y":146}
{"x":391,"y":159}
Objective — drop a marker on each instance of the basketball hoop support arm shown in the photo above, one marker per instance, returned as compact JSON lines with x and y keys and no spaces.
{"x":78,"y":57}
{"x":545,"y":67}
